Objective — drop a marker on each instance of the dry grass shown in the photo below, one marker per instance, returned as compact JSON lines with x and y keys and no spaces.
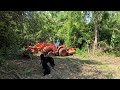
{"x":69,"y":67}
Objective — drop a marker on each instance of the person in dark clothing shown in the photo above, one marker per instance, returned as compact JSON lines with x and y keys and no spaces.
{"x":45,"y":61}
{"x":46,"y":68}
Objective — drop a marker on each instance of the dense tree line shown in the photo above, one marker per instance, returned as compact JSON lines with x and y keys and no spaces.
{"x":19,"y":29}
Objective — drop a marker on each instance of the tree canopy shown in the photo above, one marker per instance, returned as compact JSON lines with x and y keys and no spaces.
{"x":73,"y":28}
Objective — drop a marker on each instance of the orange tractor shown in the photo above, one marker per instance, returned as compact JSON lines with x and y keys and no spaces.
{"x":51,"y":50}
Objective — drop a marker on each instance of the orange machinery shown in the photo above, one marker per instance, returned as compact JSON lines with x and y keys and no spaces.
{"x":51,"y":50}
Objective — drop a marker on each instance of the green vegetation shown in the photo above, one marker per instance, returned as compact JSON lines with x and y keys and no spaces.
{"x":23,"y":28}
{"x":100,"y":37}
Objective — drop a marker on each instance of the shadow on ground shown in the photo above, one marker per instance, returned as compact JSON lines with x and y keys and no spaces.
{"x":66,"y":68}
{"x":73,"y":68}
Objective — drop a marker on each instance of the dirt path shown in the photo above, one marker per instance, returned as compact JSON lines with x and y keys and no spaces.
{"x":71,"y":67}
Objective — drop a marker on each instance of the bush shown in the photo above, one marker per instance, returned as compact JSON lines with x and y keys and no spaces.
{"x":2,"y":58}
{"x":82,"y":53}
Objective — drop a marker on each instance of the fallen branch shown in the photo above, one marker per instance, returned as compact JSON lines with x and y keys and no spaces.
{"x":12,"y":71}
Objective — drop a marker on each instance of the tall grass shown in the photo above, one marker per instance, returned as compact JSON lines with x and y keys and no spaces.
{"x":83,"y":53}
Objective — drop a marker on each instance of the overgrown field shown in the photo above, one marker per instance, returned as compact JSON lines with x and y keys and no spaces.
{"x":84,"y":66}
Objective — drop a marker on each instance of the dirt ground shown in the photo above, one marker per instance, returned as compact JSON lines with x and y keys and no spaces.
{"x":68,"y":67}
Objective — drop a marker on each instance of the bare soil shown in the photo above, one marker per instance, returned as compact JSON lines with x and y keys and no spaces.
{"x":68,"y":67}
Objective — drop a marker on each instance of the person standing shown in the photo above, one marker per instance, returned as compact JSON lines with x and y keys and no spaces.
{"x":57,"y":44}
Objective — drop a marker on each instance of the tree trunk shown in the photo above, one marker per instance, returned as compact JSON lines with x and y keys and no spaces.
{"x":95,"y":41}
{"x":96,"y":32}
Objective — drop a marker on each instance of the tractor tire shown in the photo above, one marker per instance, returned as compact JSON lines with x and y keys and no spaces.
{"x":63,"y":52}
{"x":62,"y":46}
